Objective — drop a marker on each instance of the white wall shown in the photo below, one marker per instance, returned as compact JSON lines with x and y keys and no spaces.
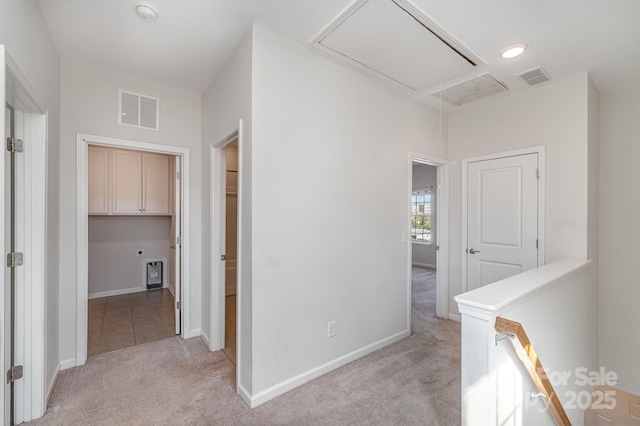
{"x":89,"y":105}
{"x":24,"y":33}
{"x":555,"y":115}
{"x":555,"y":305}
{"x":328,"y":216}
{"x":619,"y":235}
{"x":114,"y":265}
{"x":224,"y":102}
{"x":425,"y":176}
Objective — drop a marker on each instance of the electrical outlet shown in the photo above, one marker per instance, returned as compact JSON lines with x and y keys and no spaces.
{"x":139,"y":252}
{"x":331,"y":329}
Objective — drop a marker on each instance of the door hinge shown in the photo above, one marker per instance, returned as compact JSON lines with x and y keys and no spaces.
{"x":178,"y":240}
{"x":15,"y":259}
{"x":14,"y":145}
{"x":537,"y":173}
{"x":179,"y":304}
{"x":536,"y":244}
{"x":437,"y":247}
{"x":177,"y":175}
{"x":14,"y":373}
{"x":223,"y":257}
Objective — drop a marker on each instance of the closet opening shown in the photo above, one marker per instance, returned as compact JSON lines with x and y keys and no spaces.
{"x":226,"y":257}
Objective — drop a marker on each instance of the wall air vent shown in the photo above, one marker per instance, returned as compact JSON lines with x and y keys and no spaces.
{"x":138,"y":110}
{"x":471,"y":90}
{"x":534,"y":76}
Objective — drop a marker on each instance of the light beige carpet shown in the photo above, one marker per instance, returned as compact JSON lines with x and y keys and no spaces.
{"x":173,"y":382}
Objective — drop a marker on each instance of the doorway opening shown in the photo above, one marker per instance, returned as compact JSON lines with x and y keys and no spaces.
{"x":133,"y":209}
{"x":133,"y":247}
{"x":424,"y":237}
{"x":231,"y":248}
{"x":226,"y":247}
{"x":428,"y":240}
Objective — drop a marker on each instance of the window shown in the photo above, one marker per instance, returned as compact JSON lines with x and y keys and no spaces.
{"x":421,"y":216}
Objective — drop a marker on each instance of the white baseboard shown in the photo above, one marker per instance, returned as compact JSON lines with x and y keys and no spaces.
{"x":205,"y":338}
{"x":193,"y":333}
{"x":455,"y":317}
{"x":116,"y":292}
{"x":68,"y":363}
{"x":424,"y":265}
{"x":52,"y":384}
{"x":286,"y":385}
{"x":244,"y":394}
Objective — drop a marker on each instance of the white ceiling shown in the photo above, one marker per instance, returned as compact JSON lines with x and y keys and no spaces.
{"x":192,"y":39}
{"x":383,"y":37}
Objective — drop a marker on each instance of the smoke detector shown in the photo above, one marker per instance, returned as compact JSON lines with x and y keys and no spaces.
{"x":146,"y":12}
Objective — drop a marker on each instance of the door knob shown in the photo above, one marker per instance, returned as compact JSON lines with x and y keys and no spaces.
{"x":472,"y":251}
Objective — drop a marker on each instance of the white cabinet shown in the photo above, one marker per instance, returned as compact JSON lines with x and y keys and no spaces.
{"x":156,"y":187}
{"x":98,"y":181}
{"x":126,"y":182}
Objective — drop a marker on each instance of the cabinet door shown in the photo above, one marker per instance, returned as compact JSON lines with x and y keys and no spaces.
{"x":156,"y":195}
{"x":127,"y":184}
{"x":98,"y":182}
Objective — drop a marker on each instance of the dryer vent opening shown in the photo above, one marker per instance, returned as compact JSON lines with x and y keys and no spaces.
{"x":154,"y":275}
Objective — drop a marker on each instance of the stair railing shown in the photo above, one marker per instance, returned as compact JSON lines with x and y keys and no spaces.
{"x":531,"y":361}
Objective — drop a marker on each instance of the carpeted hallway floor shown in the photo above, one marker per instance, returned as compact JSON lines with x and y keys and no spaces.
{"x":415,"y":381}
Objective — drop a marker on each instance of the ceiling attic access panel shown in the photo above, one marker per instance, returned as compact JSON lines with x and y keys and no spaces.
{"x":394,"y":41}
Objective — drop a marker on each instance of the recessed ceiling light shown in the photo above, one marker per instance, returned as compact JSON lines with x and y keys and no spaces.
{"x":513,"y":51}
{"x":146,"y":12}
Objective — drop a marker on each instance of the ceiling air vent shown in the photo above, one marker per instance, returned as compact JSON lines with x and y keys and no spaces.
{"x":471,"y":90}
{"x":534,"y":76}
{"x":138,"y":110}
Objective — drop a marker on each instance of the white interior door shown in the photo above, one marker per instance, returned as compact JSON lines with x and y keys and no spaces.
{"x":14,"y":297}
{"x":5,"y":294}
{"x":502,"y":218}
{"x":19,"y":297}
{"x":22,"y":299}
{"x":177,"y":241}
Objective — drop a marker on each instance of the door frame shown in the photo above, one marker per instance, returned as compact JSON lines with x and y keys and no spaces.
{"x":82,"y":231}
{"x":540,"y":150}
{"x":442,"y":232}
{"x":217,"y":243}
{"x":31,"y":340}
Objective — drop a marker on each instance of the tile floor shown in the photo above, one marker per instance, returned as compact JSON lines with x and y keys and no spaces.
{"x":127,"y":320}
{"x":230,"y":328}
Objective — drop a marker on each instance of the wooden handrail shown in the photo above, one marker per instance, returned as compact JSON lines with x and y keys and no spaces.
{"x":534,"y":366}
